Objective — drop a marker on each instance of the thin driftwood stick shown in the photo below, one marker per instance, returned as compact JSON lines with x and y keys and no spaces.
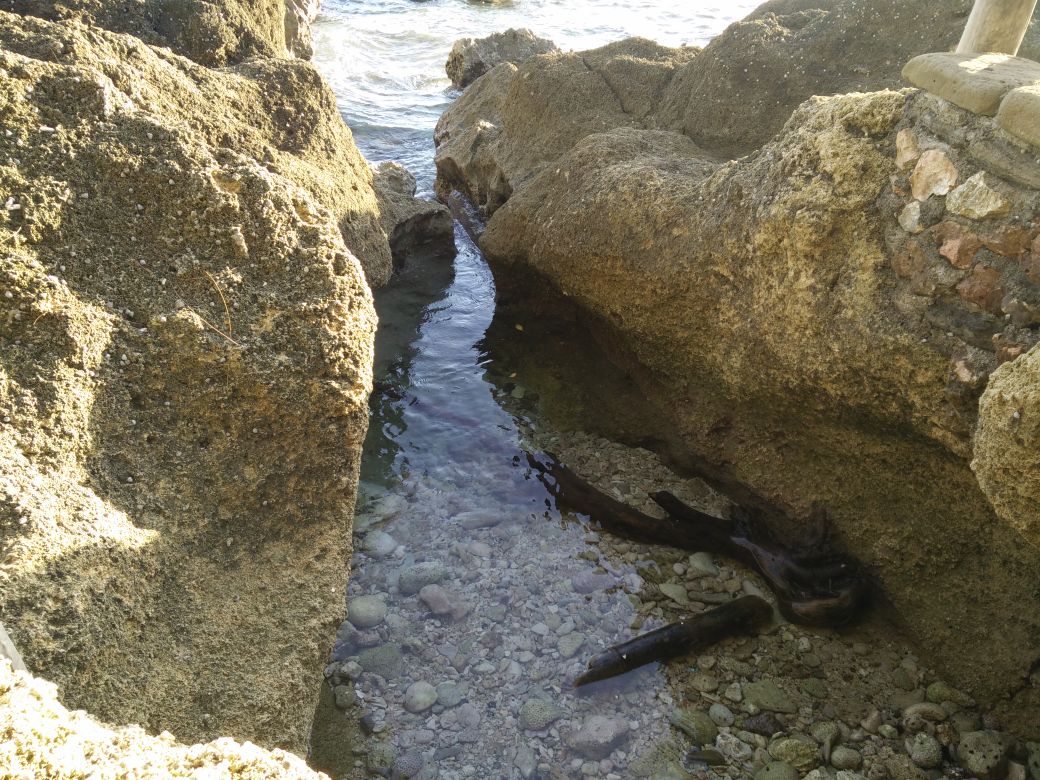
{"x":744,"y":615}
{"x":813,"y":584}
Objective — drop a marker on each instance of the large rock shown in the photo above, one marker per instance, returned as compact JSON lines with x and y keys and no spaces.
{"x":411,"y":224}
{"x":730,"y":98}
{"x":41,"y":738}
{"x":1007,"y":444}
{"x":471,"y":58}
{"x":552,"y":103}
{"x":212,"y":32}
{"x":276,"y":111}
{"x":801,"y":345}
{"x":185,"y":362}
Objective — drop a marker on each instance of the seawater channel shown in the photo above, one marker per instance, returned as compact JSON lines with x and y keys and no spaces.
{"x":473,"y":600}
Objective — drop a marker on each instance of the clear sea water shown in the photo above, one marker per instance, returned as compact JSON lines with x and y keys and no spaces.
{"x":448,"y":430}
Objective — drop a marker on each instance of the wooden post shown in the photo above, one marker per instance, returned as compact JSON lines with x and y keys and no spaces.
{"x":996,"y":26}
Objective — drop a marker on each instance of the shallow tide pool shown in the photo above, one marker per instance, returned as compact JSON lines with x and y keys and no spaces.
{"x":472,"y":600}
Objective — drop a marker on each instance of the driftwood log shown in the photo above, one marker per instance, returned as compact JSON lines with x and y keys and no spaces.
{"x":744,"y":615}
{"x":813,"y":584}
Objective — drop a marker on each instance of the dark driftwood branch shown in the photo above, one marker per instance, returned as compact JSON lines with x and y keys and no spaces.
{"x":813,"y":584}
{"x":744,"y":615}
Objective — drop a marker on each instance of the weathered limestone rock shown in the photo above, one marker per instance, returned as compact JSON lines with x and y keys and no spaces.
{"x":471,"y":58}
{"x":278,"y":112}
{"x":977,"y":82}
{"x":1007,"y":444}
{"x":781,"y":55}
{"x":411,"y":224}
{"x":754,"y":303}
{"x":976,"y":199}
{"x":744,"y":85}
{"x":1019,"y":113}
{"x":934,"y":174}
{"x":185,"y":362}
{"x":214,"y":32}
{"x":41,"y":738}
{"x":299,"y":15}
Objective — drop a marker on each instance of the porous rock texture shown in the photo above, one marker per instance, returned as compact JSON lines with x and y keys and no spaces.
{"x":212,"y":32}
{"x":1007,"y":444}
{"x":185,"y":363}
{"x":39,"y":738}
{"x":471,"y":58}
{"x":412,"y":225}
{"x":800,"y":342}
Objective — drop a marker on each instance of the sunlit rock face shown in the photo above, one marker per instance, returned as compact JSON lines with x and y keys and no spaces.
{"x":185,"y":363}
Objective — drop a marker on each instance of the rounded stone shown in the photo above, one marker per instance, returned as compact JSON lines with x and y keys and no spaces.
{"x":803,"y":754}
{"x":385,"y":661}
{"x":846,"y":758}
{"x":721,"y":715}
{"x":450,"y":694}
{"x":415,"y":578}
{"x":696,"y":724}
{"x":925,"y":751}
{"x":537,"y":714}
{"x":420,"y":696}
{"x":366,"y":611}
{"x":379,"y":544}
{"x":408,"y":765}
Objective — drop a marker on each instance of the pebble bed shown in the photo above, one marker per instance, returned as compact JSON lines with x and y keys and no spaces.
{"x":470,"y":614}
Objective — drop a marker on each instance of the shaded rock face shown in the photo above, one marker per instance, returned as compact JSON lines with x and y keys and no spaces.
{"x":471,"y":58}
{"x":804,"y":343}
{"x":411,"y":224}
{"x":185,"y":362}
{"x":44,"y":739}
{"x":217,"y":33}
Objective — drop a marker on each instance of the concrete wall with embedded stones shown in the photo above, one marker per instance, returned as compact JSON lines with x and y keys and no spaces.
{"x":964,"y":239}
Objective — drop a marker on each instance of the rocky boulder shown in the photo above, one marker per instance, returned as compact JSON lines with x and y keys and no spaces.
{"x":471,"y":58}
{"x":1007,"y":444}
{"x":730,"y":98}
{"x":804,"y":343}
{"x":212,"y":32}
{"x":44,"y":739}
{"x":411,"y":224}
{"x":551,"y":103}
{"x":185,"y":364}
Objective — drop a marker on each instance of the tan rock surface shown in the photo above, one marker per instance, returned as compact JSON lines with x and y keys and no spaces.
{"x":1019,"y":114}
{"x":41,"y":738}
{"x":753,"y":301}
{"x":185,"y":362}
{"x":471,"y":58}
{"x":934,"y":174}
{"x":976,"y":198}
{"x":1007,"y":444}
{"x":976,"y":82}
{"x":212,"y":32}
